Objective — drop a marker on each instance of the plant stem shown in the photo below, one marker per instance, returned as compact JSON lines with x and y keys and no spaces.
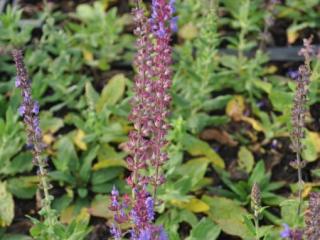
{"x":300,"y":182}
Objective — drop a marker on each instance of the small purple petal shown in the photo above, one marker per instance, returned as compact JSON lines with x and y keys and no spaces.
{"x":286,"y":232}
{"x":22,"y":110}
{"x":18,"y":82}
{"x":36,"y":108}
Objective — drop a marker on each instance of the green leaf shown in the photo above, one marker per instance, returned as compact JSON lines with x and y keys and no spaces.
{"x":23,"y":187}
{"x":245,"y":159}
{"x":112,"y":92}
{"x":85,"y":170}
{"x":197,"y":147}
{"x":91,"y":95}
{"x":48,"y":123}
{"x":194,"y":169}
{"x":6,"y":206}
{"x":16,"y":237}
{"x":258,"y":174}
{"x":281,"y":100}
{"x":66,"y":159}
{"x":289,"y":209}
{"x":205,"y":229}
{"x":21,"y":163}
{"x":228,"y":215}
{"x":105,"y":175}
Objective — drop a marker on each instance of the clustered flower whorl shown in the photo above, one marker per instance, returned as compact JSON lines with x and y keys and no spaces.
{"x":312,"y":217}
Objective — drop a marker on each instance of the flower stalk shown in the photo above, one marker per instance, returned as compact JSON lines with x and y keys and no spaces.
{"x":298,"y":113}
{"x":29,"y":110}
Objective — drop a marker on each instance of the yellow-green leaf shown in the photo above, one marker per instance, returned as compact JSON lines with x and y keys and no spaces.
{"x":235,"y":108}
{"x":188,"y":31}
{"x":112,"y":92}
{"x":196,"y":205}
{"x":197,"y":147}
{"x":192,"y":204}
{"x":311,"y":143}
{"x":228,"y":215}
{"x":6,"y":206}
{"x":108,"y":163}
{"x":254,"y":123}
{"x":78,"y":140}
{"x":245,"y":159}
{"x":98,"y":207}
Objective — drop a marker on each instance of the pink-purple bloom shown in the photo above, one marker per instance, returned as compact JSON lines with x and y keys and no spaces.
{"x":150,"y":109}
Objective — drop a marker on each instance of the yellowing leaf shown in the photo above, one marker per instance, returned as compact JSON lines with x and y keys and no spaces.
{"x":108,"y":163}
{"x":48,"y":138}
{"x":188,"y":31}
{"x":78,"y":140}
{"x":292,"y":36}
{"x":6,"y":206}
{"x":67,"y":214}
{"x":235,"y":108}
{"x":197,"y":206}
{"x":88,"y":56}
{"x":311,"y":143}
{"x":83,"y":216}
{"x":193,"y":204}
{"x":197,"y":147}
{"x":271,"y":69}
{"x":253,"y":122}
{"x":315,"y":138}
{"x":307,"y":189}
{"x":98,"y":207}
{"x":228,"y":215}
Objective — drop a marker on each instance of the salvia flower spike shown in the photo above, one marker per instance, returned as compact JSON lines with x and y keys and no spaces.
{"x":149,"y":114}
{"x":312,"y":217}
{"x":29,"y":110}
{"x":161,"y":21}
{"x":298,"y":113}
{"x":256,"y":206}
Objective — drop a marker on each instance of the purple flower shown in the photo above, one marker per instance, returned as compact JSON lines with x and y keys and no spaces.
{"x":286,"y":232}
{"x":145,"y":235}
{"x":17,"y":82}
{"x":115,"y":232}
{"x":150,"y":208}
{"x":22,"y":110}
{"x":35,"y":108}
{"x":163,"y":235}
{"x":135,"y":218}
{"x":174,"y":24}
{"x":293,"y":74}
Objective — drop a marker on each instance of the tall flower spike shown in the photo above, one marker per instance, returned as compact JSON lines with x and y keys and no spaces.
{"x":161,"y":20}
{"x":312,"y":217}
{"x":298,"y":112}
{"x":29,"y":110}
{"x":256,"y":206}
{"x":142,"y":103}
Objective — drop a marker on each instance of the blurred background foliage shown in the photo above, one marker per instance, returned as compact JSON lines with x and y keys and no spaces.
{"x":230,"y":112}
